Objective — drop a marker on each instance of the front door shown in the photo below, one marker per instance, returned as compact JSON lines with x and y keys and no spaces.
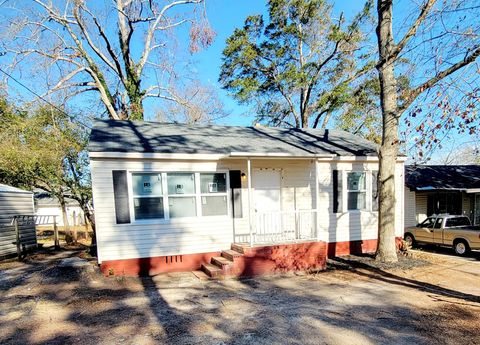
{"x":266,"y":185}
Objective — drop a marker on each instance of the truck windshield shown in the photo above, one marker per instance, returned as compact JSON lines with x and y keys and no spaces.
{"x":457,"y":221}
{"x":428,"y":223}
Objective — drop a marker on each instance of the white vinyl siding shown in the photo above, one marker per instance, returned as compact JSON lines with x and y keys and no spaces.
{"x":191,"y":235}
{"x":357,"y":225}
{"x":411,"y":218}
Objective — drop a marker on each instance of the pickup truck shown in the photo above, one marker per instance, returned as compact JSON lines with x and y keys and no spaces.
{"x":445,"y":230}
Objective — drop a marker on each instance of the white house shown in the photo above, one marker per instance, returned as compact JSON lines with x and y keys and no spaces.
{"x":239,"y":200}
{"x":47,"y":205}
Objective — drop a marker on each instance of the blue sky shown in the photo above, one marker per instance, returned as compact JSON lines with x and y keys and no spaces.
{"x":224,"y":16}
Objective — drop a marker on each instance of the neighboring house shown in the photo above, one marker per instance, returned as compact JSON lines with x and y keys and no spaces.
{"x":15,"y":202}
{"x":169,"y":197}
{"x":435,"y":189}
{"x":47,"y":205}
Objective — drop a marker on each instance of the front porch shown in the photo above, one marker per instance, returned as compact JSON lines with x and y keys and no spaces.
{"x":282,"y":203}
{"x":244,"y":260}
{"x":282,"y":227}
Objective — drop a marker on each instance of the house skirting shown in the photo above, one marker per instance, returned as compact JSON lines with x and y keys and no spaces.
{"x":355,"y":247}
{"x":256,"y":260}
{"x":281,"y":258}
{"x":157,"y":264}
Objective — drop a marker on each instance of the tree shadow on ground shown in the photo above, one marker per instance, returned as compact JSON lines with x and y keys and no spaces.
{"x":366,"y":270}
{"x":48,"y":308}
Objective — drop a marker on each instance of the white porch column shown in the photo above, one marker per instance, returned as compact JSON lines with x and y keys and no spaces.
{"x":249,"y":180}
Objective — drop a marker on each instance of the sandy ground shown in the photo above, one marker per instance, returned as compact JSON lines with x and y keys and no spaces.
{"x":427,"y":299}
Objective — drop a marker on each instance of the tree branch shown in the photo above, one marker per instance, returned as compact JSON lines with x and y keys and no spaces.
{"x":153,"y":27}
{"x":397,"y":49}
{"x":411,"y":95}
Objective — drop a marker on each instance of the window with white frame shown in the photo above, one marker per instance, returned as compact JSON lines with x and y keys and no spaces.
{"x":179,"y":194}
{"x":147,"y":195}
{"x":213,"y":189}
{"x":356,"y":191}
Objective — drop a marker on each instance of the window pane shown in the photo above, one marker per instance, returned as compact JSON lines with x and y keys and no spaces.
{"x":438,"y":224}
{"x":181,"y":183}
{"x":356,"y":181}
{"x":147,"y":184}
{"x":214,"y":205}
{"x":458,"y":221}
{"x":148,"y":208}
{"x":356,"y":200}
{"x":374,"y":191}
{"x":182,"y":207}
{"x":213,"y":183}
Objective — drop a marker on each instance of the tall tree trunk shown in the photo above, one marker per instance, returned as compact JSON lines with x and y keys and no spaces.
{"x":63,"y":207}
{"x":386,"y":250}
{"x":91,"y":219}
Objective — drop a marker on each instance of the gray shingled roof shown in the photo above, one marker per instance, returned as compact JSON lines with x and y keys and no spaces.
{"x":155,"y":137}
{"x":442,"y":177}
{"x":43,"y":198}
{"x":9,"y":189}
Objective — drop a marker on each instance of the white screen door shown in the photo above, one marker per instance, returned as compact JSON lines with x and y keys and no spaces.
{"x":267,"y":205}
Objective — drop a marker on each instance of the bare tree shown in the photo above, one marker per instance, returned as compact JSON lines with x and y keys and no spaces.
{"x":441,"y":39}
{"x":195,"y":103}
{"x":118,"y":49}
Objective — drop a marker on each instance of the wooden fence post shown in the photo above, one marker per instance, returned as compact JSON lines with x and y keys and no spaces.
{"x":55,"y":233}
{"x":17,"y":235}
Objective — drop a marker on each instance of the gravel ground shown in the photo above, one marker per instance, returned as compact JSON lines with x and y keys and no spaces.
{"x":354,"y":302}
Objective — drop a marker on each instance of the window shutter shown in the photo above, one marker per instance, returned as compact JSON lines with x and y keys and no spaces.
{"x":120,"y":194}
{"x":235,"y":186}
{"x":336,"y":191}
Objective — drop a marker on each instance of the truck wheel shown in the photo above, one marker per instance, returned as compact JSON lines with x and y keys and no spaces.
{"x":461,"y":247}
{"x":409,"y":240}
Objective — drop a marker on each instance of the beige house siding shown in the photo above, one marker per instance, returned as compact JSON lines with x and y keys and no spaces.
{"x":416,"y":206}
{"x":421,"y":206}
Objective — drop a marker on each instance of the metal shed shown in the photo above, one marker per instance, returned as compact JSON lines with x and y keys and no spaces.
{"x":14,"y":202}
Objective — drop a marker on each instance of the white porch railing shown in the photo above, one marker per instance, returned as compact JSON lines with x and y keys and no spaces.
{"x":284,"y":226}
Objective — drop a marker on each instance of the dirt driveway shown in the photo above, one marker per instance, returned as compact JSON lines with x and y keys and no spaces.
{"x":351,"y":303}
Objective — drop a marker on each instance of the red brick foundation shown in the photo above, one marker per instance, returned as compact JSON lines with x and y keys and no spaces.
{"x":156,"y":265}
{"x":281,"y":258}
{"x":355,"y":247}
{"x":255,"y":260}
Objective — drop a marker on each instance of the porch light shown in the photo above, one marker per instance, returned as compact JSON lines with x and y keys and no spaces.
{"x":244,"y":177}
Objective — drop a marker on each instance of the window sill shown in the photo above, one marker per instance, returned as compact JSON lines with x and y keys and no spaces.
{"x":357,"y":212}
{"x":174,"y":220}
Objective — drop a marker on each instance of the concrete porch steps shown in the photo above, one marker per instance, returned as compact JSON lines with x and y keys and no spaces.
{"x":211,"y":270}
{"x":222,"y":265}
{"x":231,"y":254}
{"x":238,"y":248}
